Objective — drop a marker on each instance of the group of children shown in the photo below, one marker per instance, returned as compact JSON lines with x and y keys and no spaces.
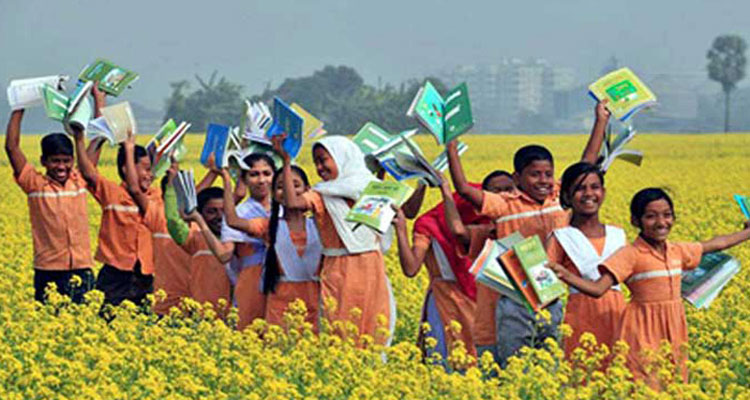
{"x":274,"y":238}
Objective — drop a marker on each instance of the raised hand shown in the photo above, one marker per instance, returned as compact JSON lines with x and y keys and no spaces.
{"x":278,"y":147}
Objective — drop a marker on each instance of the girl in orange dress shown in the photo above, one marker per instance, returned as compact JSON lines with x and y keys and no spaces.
{"x":651,"y":267}
{"x":290,"y":270}
{"x":353,"y":270}
{"x":580,"y":248}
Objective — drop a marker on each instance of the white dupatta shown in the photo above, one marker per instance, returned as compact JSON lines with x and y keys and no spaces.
{"x":583,"y":254}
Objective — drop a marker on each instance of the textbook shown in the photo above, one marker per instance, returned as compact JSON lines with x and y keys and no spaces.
{"x":374,"y":207}
{"x":377,"y":144}
{"x":76,"y":109}
{"x":440,"y":162}
{"x":410,"y":163}
{"x":626,"y":93}
{"x":445,"y":119}
{"x":26,"y":93}
{"x":614,"y":148}
{"x":286,"y":120}
{"x":487,"y":270}
{"x":222,"y":141}
{"x":744,"y":203}
{"x":166,"y":145}
{"x":184,"y":187}
{"x":237,"y":157}
{"x":533,"y":259}
{"x":513,"y":270}
{"x":114,"y":124}
{"x":255,"y":122}
{"x":703,"y":284}
{"x":112,"y":78}
{"x":311,"y":126}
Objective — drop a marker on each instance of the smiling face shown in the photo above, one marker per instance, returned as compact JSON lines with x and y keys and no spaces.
{"x":58,"y":167}
{"x":657,"y":220}
{"x":143,"y":172}
{"x":258,"y":179}
{"x":324,"y":164}
{"x":213,"y":213}
{"x":536,"y":179}
{"x":587,"y":195}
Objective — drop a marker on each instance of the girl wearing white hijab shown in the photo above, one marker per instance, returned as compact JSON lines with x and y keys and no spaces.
{"x":353,"y":269}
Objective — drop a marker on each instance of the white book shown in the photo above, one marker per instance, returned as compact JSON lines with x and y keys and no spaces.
{"x":26,"y":93}
{"x":120,"y":121}
{"x":184,"y":185}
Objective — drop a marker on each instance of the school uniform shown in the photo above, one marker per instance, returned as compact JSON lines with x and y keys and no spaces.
{"x":581,"y":255}
{"x":500,"y":321}
{"x":208,"y":280}
{"x":655,"y":312}
{"x":59,"y":231}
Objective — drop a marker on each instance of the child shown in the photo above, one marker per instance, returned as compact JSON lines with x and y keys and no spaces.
{"x":532,"y":209}
{"x":580,"y":248}
{"x":290,"y":270}
{"x":651,"y":267}
{"x":125,"y":244}
{"x":57,"y":210}
{"x":353,"y":271}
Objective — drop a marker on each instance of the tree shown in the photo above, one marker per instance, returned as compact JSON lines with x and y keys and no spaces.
{"x":219,"y":102}
{"x":726,"y":65}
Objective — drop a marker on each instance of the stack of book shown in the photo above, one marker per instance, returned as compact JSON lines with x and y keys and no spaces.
{"x":167,"y":145}
{"x":184,"y":186}
{"x":223,"y":142}
{"x":703,"y":284}
{"x":76,"y":109}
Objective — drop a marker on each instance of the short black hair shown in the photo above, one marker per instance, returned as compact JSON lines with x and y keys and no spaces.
{"x":644,"y":197}
{"x":528,"y":154}
{"x":139,"y":153}
{"x":208,"y":194}
{"x":492,"y":175}
{"x":571,"y":175}
{"x":56,"y":144}
{"x":253,"y":158}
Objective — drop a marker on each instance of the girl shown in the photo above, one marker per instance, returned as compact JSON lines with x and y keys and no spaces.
{"x":580,"y":248}
{"x":651,"y":268}
{"x":290,"y":270}
{"x":353,"y":270}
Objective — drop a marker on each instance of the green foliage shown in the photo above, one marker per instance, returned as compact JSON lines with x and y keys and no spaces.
{"x":219,"y":102}
{"x":726,"y":65}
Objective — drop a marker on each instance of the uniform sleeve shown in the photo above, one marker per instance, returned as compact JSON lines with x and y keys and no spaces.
{"x":494,"y":205}
{"x":620,"y":264}
{"x":193,"y":238}
{"x":104,"y":191}
{"x":258,"y":227}
{"x":314,"y":202}
{"x":691,"y":254}
{"x":555,"y":252}
{"x":177,"y":228}
{"x":29,"y":179}
{"x":154,"y":218}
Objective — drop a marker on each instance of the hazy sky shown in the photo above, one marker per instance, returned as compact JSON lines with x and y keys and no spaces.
{"x":254,"y":42}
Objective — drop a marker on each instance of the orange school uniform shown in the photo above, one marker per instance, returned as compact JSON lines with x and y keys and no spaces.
{"x":655,"y":312}
{"x":208,"y":281}
{"x":59,"y":220}
{"x":352,"y":280}
{"x":511,"y":212}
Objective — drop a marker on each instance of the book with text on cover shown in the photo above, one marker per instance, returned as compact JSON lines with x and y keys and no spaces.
{"x":374,"y":208}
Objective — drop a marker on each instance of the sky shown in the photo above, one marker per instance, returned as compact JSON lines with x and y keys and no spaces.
{"x":257,"y":43}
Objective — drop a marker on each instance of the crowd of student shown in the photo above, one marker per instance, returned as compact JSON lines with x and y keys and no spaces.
{"x":274,"y":238}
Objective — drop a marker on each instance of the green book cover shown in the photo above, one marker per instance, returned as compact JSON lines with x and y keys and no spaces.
{"x":458,"y":117}
{"x":374,"y":207}
{"x":429,"y":110}
{"x":371,"y":137}
{"x":532,"y":256}
{"x":709,"y":265}
{"x":112,"y":78}
{"x":55,"y":103}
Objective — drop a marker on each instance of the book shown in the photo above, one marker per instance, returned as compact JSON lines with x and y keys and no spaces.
{"x":613,"y":148}
{"x":27,"y":93}
{"x":115,"y":123}
{"x":184,"y":186}
{"x":255,"y":122}
{"x":311,"y":126}
{"x":286,"y":120}
{"x":744,"y":203}
{"x":167,"y":145}
{"x":410,"y":163}
{"x":217,"y":143}
{"x":236,"y":158}
{"x":626,"y":93}
{"x":77,"y":109}
{"x":487,"y":270}
{"x":445,"y":118}
{"x":440,"y":162}
{"x":513,"y":270}
{"x":378,"y":145}
{"x":112,"y":78}
{"x":533,"y":258}
{"x":374,"y":207}
{"x":702,"y":285}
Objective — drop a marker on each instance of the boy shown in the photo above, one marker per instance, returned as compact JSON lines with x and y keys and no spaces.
{"x":57,"y":210}
{"x":533,"y":208}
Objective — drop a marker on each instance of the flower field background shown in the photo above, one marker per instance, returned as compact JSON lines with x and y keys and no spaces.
{"x":65,"y":351}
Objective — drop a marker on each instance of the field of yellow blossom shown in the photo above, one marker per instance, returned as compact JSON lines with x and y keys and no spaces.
{"x":63,"y":351}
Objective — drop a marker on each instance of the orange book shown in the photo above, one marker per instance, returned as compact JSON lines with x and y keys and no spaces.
{"x":515,"y":272}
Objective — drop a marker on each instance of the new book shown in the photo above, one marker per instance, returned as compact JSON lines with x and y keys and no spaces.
{"x":626,"y":93}
{"x":222,"y":141}
{"x":378,"y":145}
{"x":76,"y":109}
{"x":614,"y":148}
{"x":744,"y":203}
{"x":311,"y":126}
{"x":114,"y":124}
{"x":256,"y":121}
{"x":533,"y":259}
{"x":184,"y":186}
{"x":445,"y":118}
{"x":410,"y":163}
{"x":488,"y":271}
{"x":513,"y":270}
{"x":703,"y":284}
{"x":286,"y":120}
{"x":374,"y":208}
{"x":27,"y":93}
{"x":167,"y":145}
{"x":112,"y":78}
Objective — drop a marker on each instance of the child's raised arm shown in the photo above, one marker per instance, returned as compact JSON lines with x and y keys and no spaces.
{"x":594,"y":145}
{"x":210,"y":176}
{"x":100,"y":99}
{"x":452,"y":217}
{"x":411,"y":259}
{"x":414,"y":203}
{"x":468,"y":192}
{"x":131,"y":175}
{"x":230,"y":211}
{"x":85,"y":166}
{"x":13,"y":142}
{"x":222,"y":251}
{"x":726,"y":241}
{"x":291,"y":199}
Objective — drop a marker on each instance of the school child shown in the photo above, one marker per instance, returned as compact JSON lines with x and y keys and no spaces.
{"x":290,"y":270}
{"x":533,"y":208}
{"x":651,"y":267}
{"x":57,"y":210}
{"x":580,"y":248}
{"x":353,"y":270}
{"x":125,"y":244}
{"x":243,"y":253}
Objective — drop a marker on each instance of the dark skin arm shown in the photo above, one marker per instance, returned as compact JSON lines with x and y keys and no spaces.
{"x":210,"y":176}
{"x":230,"y":212}
{"x":726,"y":241}
{"x":591,"y":288}
{"x":131,"y":176}
{"x":13,"y":142}
{"x":222,"y":251}
{"x":468,"y":192}
{"x":591,"y":151}
{"x":240,"y":191}
{"x":414,"y":203}
{"x":411,"y":259}
{"x":452,"y":218}
{"x":85,"y":166}
{"x":291,"y":199}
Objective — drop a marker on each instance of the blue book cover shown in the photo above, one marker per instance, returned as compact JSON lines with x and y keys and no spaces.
{"x":286,"y":120}
{"x":744,"y":203}
{"x":215,"y":142}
